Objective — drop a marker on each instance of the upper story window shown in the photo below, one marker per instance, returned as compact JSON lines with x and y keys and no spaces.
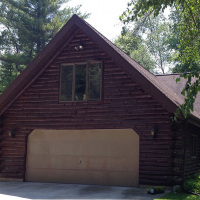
{"x":81,"y":81}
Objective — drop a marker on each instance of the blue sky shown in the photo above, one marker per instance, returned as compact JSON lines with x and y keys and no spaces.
{"x":104,"y":15}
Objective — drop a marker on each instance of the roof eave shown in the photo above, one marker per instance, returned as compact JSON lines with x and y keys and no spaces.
{"x":194,"y":120}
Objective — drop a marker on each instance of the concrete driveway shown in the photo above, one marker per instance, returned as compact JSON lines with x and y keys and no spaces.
{"x":27,"y":190}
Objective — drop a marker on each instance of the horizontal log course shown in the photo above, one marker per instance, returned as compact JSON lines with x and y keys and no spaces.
{"x":12,"y":163}
{"x":84,"y":106}
{"x":165,"y":152}
{"x":156,"y":181}
{"x":156,"y":177}
{"x":78,"y":113}
{"x":156,"y":169}
{"x":155,"y":160}
{"x":152,"y":163}
{"x":76,"y":123}
{"x":16,"y":175}
{"x":18,"y":159}
{"x":14,"y":154}
{"x":64,"y":111}
{"x":96,"y":117}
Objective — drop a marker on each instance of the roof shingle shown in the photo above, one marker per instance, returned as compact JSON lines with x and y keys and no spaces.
{"x":170,"y":81}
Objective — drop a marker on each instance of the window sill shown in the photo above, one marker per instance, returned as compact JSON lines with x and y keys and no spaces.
{"x":81,"y":101}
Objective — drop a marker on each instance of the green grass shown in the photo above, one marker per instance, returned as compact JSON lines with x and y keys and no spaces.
{"x":179,"y":196}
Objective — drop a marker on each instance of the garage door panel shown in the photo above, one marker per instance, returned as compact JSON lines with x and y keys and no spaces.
{"x":107,"y":149}
{"x":55,"y":176}
{"x":92,"y":163}
{"x":54,"y":162}
{"x":39,"y":161}
{"x":94,"y":149}
{"x":55,"y":135}
{"x":106,"y":157}
{"x":121,"y":164}
{"x":123,"y":179}
{"x":38,"y":147}
{"x":83,"y":177}
{"x":103,"y":135}
{"x":122,"y":149}
{"x":66,"y":162}
{"x":65,"y":148}
{"x":57,"y":148}
{"x":111,"y":163}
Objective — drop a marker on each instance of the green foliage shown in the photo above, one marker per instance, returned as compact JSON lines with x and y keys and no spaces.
{"x":156,"y":189}
{"x":157,"y":32}
{"x":133,"y":46}
{"x":174,"y":40}
{"x":187,"y":40}
{"x":154,"y":33}
{"x":8,"y":73}
{"x":143,"y":57}
{"x":193,"y":184}
{"x":128,"y":41}
{"x":184,"y":68}
{"x":179,"y":196}
{"x":26,"y":27}
{"x":192,"y":87}
{"x":147,"y":42}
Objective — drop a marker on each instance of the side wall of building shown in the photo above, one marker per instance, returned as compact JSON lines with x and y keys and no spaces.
{"x":192,"y":162}
{"x":185,"y":164}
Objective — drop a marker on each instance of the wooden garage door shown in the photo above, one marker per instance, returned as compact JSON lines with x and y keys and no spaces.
{"x":104,"y":157}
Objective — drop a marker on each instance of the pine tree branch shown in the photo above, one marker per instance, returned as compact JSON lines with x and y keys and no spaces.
{"x":14,"y":59}
{"x":18,"y":6}
{"x":14,"y":39}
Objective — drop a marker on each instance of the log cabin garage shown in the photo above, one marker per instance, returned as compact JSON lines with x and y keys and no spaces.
{"x":85,"y":112}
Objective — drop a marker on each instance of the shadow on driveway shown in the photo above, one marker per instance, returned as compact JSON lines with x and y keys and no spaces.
{"x":30,"y":190}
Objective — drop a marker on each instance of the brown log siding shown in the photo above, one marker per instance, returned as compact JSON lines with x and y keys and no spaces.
{"x":178,"y":129}
{"x":192,"y":164}
{"x":184,"y":164}
{"x":124,"y":105}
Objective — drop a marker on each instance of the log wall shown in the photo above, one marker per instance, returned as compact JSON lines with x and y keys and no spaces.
{"x":192,"y":164}
{"x":124,"y":104}
{"x":184,"y":164}
{"x":179,"y":127}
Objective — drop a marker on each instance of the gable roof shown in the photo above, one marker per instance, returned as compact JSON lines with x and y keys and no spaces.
{"x":148,"y":81}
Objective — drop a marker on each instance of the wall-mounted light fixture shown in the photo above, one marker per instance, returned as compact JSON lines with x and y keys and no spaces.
{"x":79,"y":47}
{"x":154,"y":131}
{"x":11,"y":133}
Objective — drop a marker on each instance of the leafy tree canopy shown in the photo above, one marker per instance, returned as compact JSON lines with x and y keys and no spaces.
{"x":26,"y":26}
{"x":133,"y":46}
{"x":156,"y":30}
{"x":188,"y":47}
{"x":148,"y":39}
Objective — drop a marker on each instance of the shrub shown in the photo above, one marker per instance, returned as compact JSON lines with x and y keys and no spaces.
{"x":193,"y":184}
{"x":156,"y":190}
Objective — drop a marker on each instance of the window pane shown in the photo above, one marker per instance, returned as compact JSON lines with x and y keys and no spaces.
{"x":66,"y":83}
{"x":80,"y":82}
{"x":94,"y":85}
